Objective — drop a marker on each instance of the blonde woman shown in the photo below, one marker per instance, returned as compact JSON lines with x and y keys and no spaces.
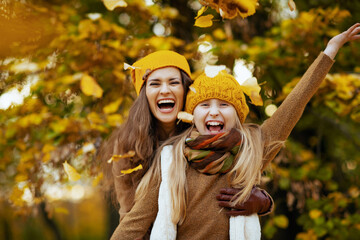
{"x":219,"y":151}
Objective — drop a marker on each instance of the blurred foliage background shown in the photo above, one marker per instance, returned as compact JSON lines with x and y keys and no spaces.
{"x":61,"y":67}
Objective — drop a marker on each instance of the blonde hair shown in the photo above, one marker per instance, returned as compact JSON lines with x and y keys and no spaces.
{"x":244,"y":175}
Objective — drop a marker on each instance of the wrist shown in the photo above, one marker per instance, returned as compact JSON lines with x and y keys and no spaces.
{"x":331,"y":50}
{"x":269,"y":205}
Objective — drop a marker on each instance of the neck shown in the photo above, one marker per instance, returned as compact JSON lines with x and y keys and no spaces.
{"x":165,"y":130}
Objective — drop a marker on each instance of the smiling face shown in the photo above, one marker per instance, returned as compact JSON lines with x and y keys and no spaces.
{"x":165,"y":94}
{"x":214,"y":116}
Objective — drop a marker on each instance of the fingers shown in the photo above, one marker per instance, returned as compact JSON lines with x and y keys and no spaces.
{"x":353,"y":38}
{"x":224,"y":197}
{"x":229,"y":191}
{"x":225,"y":204}
{"x":353,"y":27}
{"x":234,"y":213}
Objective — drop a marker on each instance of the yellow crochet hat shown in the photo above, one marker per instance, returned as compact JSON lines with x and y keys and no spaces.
{"x":223,"y":86}
{"x":153,"y":61}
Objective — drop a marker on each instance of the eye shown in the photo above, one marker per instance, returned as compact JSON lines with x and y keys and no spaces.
{"x":175,"y":82}
{"x":154,"y":83}
{"x":224,"y":104}
{"x":205,"y":104}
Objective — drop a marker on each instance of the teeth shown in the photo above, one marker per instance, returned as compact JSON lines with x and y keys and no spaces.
{"x":166,"y":101}
{"x":214,"y":123}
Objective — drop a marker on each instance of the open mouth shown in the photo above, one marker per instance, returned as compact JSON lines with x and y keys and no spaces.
{"x":214,"y":126}
{"x":166,"y":104}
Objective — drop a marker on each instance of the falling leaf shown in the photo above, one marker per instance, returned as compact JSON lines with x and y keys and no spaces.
{"x":204,"y":21}
{"x":112,"y":4}
{"x":212,"y":71}
{"x":192,"y":89}
{"x":292,"y":5}
{"x":185,"y":117}
{"x":90,"y":87}
{"x":200,"y":12}
{"x":71,"y":172}
{"x":127,"y":66}
{"x":113,"y":106}
{"x":251,"y":88}
{"x":128,"y":171}
{"x":97,"y":179}
{"x":115,"y":158}
{"x":94,"y":16}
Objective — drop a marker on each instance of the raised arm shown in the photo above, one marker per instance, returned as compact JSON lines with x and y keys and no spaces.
{"x":137,"y":221}
{"x":279,"y":126}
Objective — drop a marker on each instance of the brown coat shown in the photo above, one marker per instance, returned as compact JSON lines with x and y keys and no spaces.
{"x":204,"y":218}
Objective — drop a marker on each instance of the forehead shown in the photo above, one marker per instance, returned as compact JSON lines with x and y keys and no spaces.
{"x":166,"y":72}
{"x":215,"y":101}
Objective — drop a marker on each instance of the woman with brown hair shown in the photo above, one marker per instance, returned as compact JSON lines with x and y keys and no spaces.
{"x":161,"y":80}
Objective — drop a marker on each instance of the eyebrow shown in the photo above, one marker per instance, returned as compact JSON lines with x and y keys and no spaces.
{"x":170,"y":79}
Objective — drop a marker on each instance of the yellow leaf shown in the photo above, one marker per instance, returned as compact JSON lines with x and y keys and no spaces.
{"x":309,"y":235}
{"x":115,"y":158}
{"x":114,"y":120}
{"x":113,"y":106}
{"x":315,"y":213}
{"x":21,"y":177}
{"x":204,"y":21}
{"x":128,"y":171}
{"x":60,"y":125}
{"x":252,"y":89}
{"x":112,"y":4}
{"x":292,"y":5}
{"x":16,"y":197}
{"x":61,"y":210}
{"x":90,"y":87}
{"x":281,"y":221}
{"x":185,"y":117}
{"x":71,"y":172}
{"x":219,"y":34}
{"x":200,"y":12}
{"x":97,"y":179}
{"x":48,"y":148}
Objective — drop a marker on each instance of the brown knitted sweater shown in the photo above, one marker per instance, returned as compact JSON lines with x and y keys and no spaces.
{"x":204,"y":218}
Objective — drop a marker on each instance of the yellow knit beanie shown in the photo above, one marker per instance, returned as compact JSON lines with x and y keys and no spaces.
{"x":159,"y":59}
{"x":223,"y":86}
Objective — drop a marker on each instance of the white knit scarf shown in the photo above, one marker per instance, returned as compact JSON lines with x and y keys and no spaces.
{"x":241,"y":227}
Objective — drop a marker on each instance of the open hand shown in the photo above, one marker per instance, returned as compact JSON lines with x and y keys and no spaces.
{"x":339,"y":40}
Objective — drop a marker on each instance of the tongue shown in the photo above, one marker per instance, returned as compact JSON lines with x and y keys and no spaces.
{"x":166,"y":106}
{"x":214,"y":128}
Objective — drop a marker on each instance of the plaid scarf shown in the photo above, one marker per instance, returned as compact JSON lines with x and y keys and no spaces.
{"x":212,"y":154}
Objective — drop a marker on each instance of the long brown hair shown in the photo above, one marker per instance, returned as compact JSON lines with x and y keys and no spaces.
{"x":138,"y":133}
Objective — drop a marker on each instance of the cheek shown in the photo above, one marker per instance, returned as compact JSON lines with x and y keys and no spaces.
{"x":179,"y":92}
{"x":198,"y":118}
{"x":231,"y":119}
{"x":151,"y":99}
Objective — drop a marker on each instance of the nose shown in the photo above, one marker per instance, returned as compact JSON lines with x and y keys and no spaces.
{"x":164,"y":88}
{"x":214,"y":111}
